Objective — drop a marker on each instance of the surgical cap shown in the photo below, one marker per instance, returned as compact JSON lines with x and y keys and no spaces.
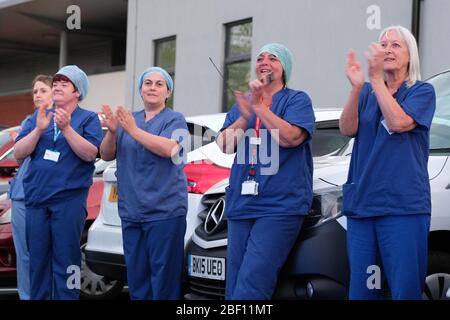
{"x":78,"y":78}
{"x":159,"y":70}
{"x":283,"y":54}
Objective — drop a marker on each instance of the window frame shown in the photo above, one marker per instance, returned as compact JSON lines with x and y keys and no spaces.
{"x":156,"y":45}
{"x":230,"y":60}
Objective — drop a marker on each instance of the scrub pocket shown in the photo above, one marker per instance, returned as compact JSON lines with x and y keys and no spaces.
{"x":348,"y":193}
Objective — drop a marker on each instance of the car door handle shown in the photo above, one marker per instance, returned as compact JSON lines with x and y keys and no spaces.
{"x":447,"y":187}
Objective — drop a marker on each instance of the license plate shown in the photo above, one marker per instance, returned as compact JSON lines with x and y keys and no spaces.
{"x":113,"y":193}
{"x":206,"y":267}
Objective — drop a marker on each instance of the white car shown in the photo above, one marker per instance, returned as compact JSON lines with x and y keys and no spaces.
{"x":317,"y":267}
{"x":206,"y":165}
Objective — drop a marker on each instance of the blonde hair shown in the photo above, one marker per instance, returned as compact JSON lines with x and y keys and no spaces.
{"x":414,"y":63}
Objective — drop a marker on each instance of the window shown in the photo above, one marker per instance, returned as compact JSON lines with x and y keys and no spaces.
{"x":165,"y":58}
{"x":440,"y":127}
{"x":238,"y":48}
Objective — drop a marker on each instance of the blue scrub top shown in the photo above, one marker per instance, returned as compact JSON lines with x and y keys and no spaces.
{"x":16,"y":191}
{"x":388,"y":173}
{"x":150,"y":187}
{"x":288,"y":191}
{"x":46,"y":181}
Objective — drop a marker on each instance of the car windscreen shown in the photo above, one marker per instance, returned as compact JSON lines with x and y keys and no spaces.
{"x":440,"y":127}
{"x":327,"y":139}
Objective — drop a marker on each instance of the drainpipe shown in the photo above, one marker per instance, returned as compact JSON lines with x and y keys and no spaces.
{"x":62,"y":49}
{"x":415,"y":20}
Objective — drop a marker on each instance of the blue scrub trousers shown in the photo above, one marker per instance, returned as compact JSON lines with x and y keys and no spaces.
{"x":20,"y":244}
{"x":398,"y":245}
{"x":154,"y":255}
{"x":53,"y":237}
{"x":257,"y":250}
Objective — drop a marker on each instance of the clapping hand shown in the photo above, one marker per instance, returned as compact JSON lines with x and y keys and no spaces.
{"x":353,"y":70}
{"x":62,"y":119}
{"x":375,"y":58}
{"x":43,"y":120}
{"x":126,"y":120}
{"x":109,"y":120}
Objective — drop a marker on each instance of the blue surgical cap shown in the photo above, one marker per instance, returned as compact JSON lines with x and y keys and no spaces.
{"x":283,"y":54}
{"x":78,"y":78}
{"x":159,"y":70}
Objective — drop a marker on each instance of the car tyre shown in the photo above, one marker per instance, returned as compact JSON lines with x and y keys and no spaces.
{"x":437,"y":282}
{"x":94,"y":286}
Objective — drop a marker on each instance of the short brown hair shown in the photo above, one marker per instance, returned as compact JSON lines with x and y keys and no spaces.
{"x":61,"y":77}
{"x":48,"y":80}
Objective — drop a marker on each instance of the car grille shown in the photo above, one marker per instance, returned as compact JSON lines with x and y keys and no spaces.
{"x":213,"y":289}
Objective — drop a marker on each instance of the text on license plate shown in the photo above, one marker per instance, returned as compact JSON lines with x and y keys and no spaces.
{"x":206,"y":267}
{"x":113,"y":193}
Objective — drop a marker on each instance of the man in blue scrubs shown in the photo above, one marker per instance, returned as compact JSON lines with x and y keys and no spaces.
{"x":387,"y":194}
{"x":266,"y":200}
{"x":152,"y":188}
{"x":62,"y":144}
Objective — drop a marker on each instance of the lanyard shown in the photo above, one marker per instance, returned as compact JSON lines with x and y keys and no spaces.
{"x":56,"y":132}
{"x":253,"y":159}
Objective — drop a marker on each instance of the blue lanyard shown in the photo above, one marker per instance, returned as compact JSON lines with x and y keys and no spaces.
{"x":56,"y":132}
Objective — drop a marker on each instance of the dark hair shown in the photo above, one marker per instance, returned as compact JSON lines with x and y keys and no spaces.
{"x":48,"y":80}
{"x":61,"y":77}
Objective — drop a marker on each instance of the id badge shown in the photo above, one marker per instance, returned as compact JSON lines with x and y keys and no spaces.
{"x":250,"y":188}
{"x":51,"y":155}
{"x":255,"y":141}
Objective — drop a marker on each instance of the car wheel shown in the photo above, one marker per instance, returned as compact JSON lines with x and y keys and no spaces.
{"x":94,"y":286}
{"x":437,"y":282}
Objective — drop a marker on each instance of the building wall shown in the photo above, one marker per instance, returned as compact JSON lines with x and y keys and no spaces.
{"x":106,"y":88}
{"x":434,"y":40}
{"x":14,"y":108}
{"x":318,"y":32}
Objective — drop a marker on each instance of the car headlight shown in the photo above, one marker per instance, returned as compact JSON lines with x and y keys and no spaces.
{"x":327,"y":205}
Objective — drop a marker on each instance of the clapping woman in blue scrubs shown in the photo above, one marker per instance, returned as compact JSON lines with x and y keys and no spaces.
{"x":387,"y":194}
{"x":62,"y":144}
{"x":42,"y":95}
{"x":266,"y":201}
{"x":152,"y":188}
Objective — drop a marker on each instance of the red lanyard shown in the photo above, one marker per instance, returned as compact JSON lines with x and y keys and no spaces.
{"x":258,"y":123}
{"x":252,"y":171}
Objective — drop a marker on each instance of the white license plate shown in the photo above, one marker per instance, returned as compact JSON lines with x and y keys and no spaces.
{"x":206,"y":267}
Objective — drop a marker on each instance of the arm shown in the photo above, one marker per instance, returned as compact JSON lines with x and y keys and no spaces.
{"x":160,"y":146}
{"x":79,"y":145}
{"x":290,"y":136}
{"x":108,"y":146}
{"x":229,"y":138}
{"x":396,"y":119}
{"x":25,"y":146}
{"x":348,"y":122}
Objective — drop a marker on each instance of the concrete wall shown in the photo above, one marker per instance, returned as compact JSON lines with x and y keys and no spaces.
{"x":434,"y":37}
{"x":106,"y":88}
{"x":318,"y":32}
